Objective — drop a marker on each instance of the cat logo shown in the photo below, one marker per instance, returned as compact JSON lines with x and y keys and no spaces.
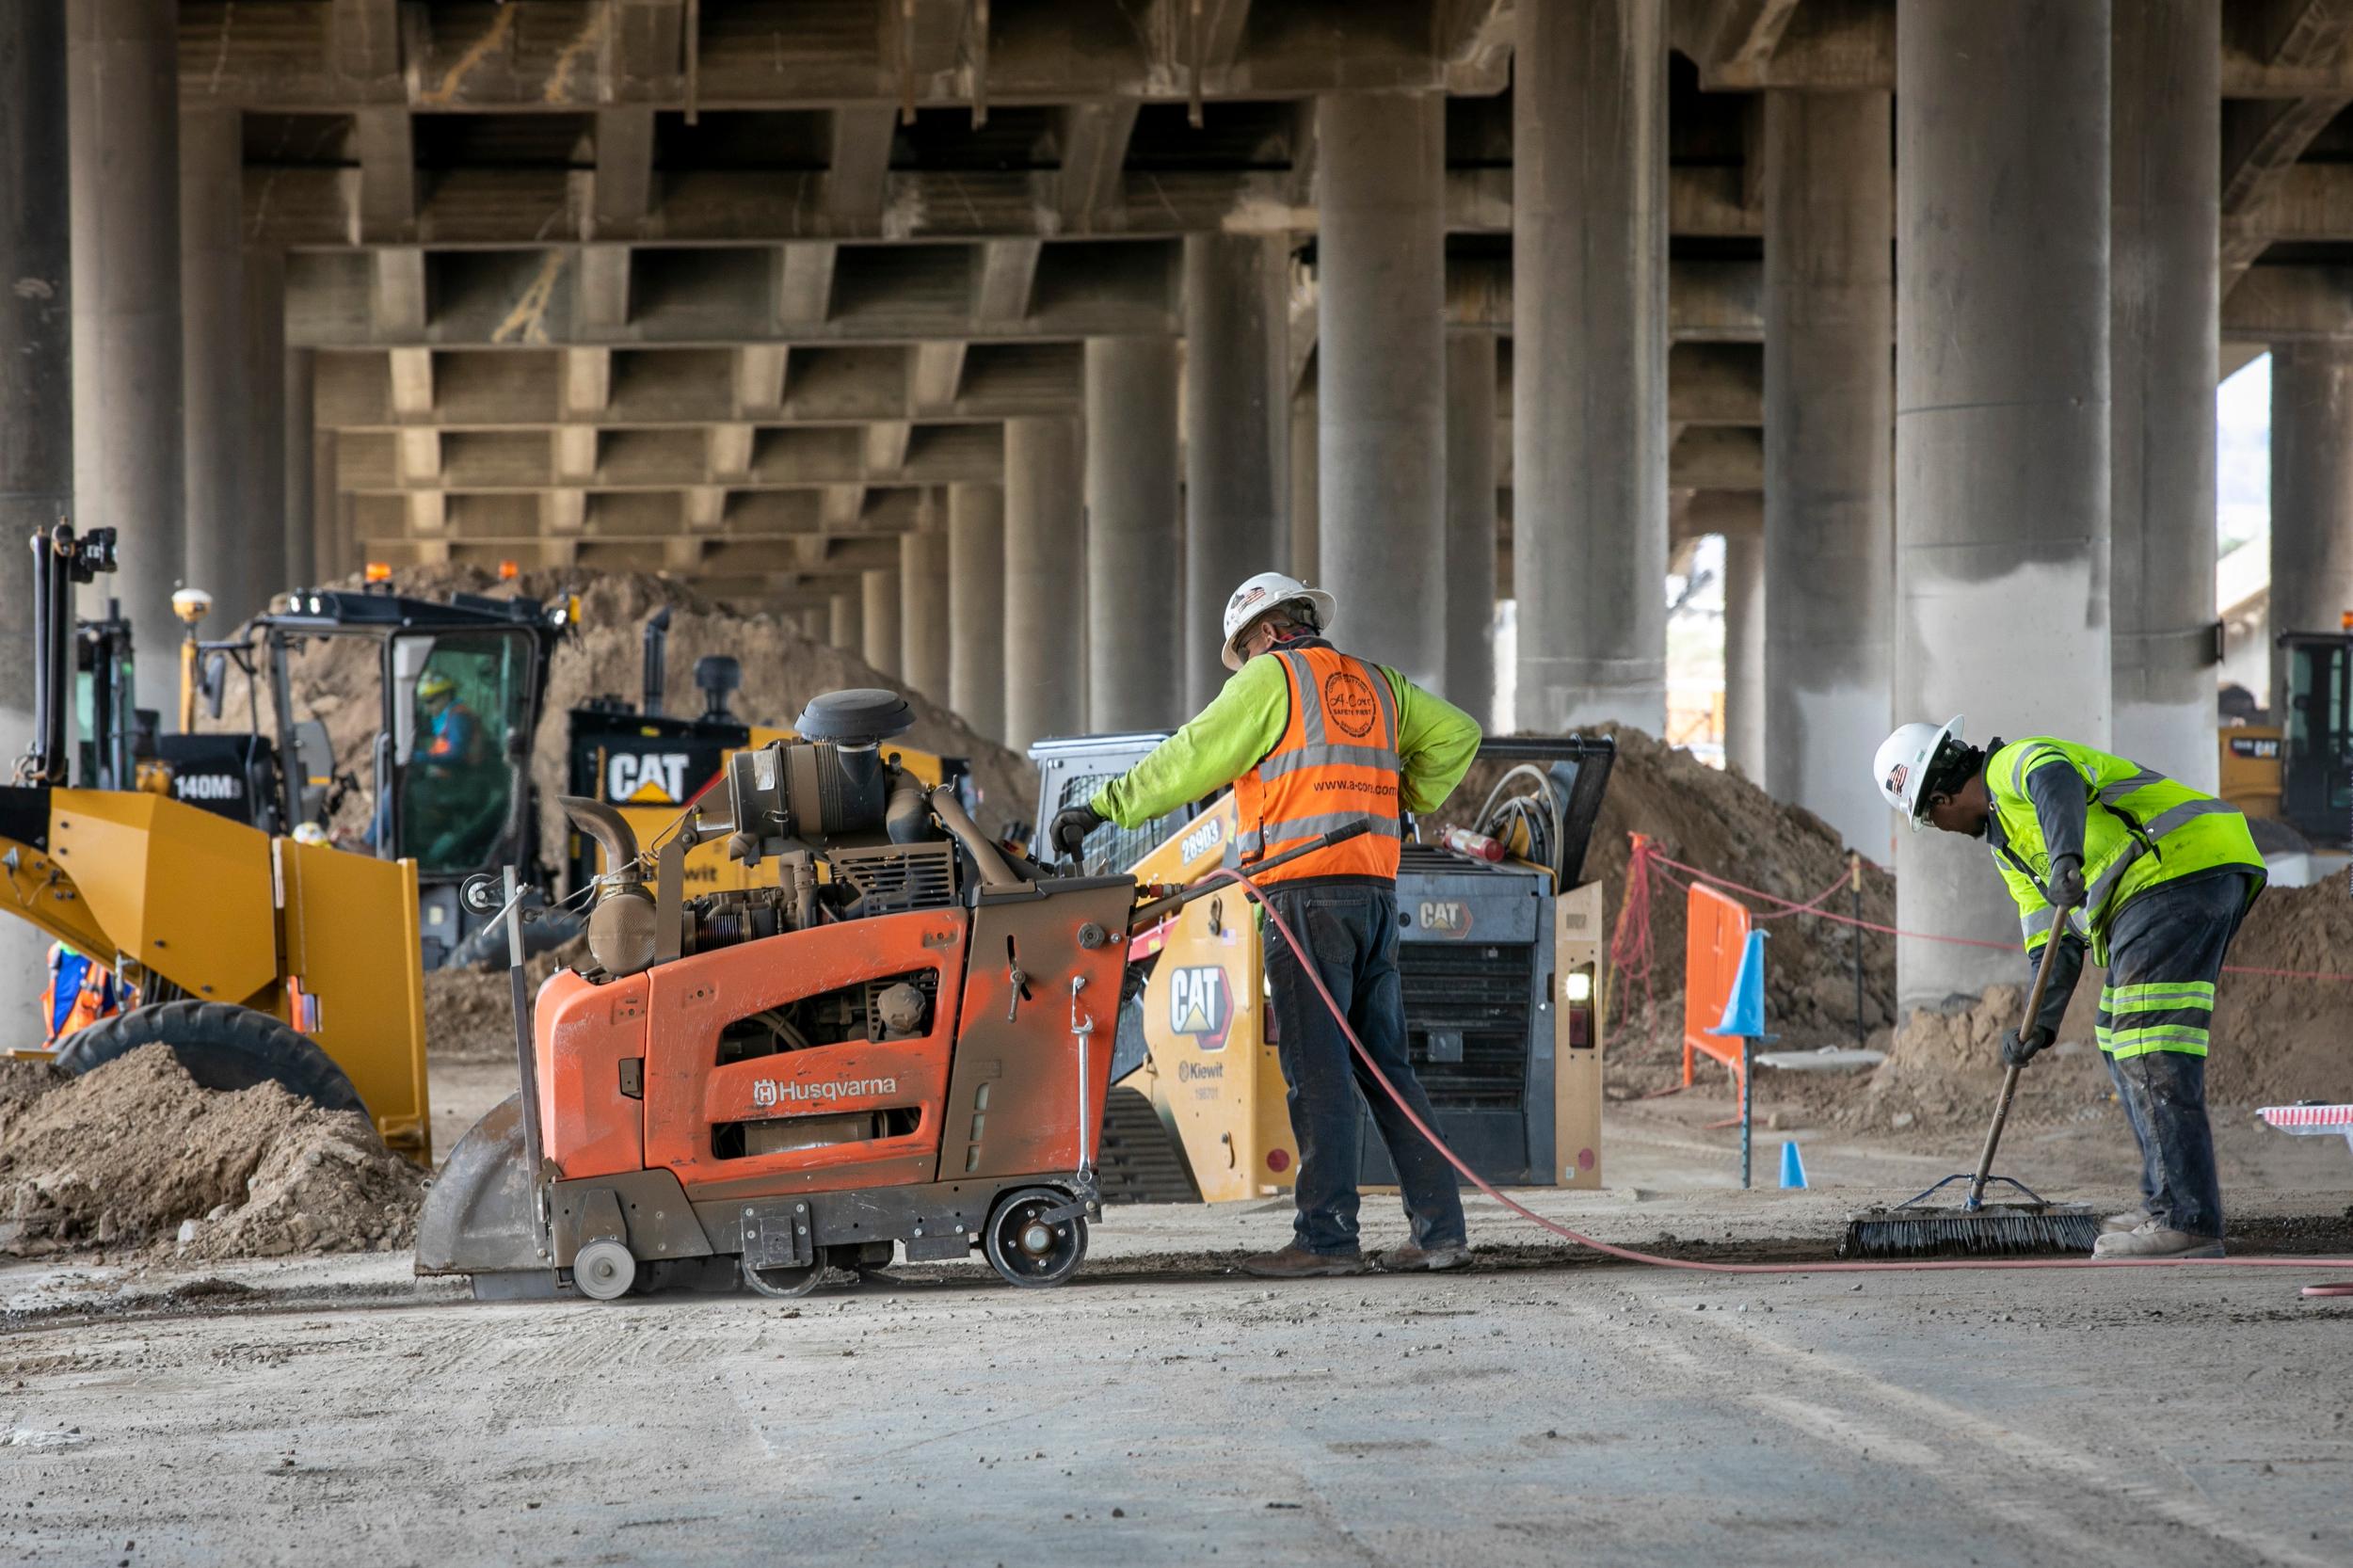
{"x":1444,"y":918}
{"x":645,"y":777}
{"x":1198,"y":1006}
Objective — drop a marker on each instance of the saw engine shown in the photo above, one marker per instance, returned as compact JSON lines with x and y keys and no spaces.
{"x":889,"y":1047}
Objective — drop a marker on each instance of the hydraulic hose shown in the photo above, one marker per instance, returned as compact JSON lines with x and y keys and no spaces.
{"x":1631,"y":1254}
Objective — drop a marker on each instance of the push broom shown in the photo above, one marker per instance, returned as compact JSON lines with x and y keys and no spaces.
{"x":2029,"y":1225}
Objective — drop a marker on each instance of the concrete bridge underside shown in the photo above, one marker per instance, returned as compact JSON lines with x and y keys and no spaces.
{"x":883,"y":313}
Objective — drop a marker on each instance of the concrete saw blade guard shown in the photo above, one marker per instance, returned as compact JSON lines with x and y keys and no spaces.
{"x":477,"y":1218}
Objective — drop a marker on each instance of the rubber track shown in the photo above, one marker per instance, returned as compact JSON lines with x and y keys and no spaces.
{"x":1139,"y":1161}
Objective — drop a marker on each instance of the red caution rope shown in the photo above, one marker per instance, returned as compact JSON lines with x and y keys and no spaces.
{"x":1646,"y":856}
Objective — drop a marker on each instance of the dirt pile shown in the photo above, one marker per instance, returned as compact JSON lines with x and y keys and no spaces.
{"x":469,"y":1013}
{"x":2275,"y":1038}
{"x":337,"y":682}
{"x":1724,"y":824}
{"x":210,"y":1175}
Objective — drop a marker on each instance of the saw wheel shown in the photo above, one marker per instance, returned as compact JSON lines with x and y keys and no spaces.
{"x":1028,"y":1250}
{"x":787,"y":1282}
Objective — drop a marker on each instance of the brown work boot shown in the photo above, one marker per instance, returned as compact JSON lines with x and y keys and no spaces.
{"x":2131,"y":1219}
{"x":2155,"y":1240}
{"x":1409,"y":1258}
{"x":1297,"y":1262}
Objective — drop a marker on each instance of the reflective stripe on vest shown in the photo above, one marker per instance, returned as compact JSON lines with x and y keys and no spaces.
{"x":1336,"y":764}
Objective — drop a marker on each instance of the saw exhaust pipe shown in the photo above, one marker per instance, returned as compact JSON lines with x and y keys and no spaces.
{"x":621,"y":925}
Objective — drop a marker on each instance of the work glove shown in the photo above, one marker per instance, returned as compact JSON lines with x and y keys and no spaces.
{"x":2067,"y":881}
{"x":1071,"y":827}
{"x":2017,"y":1049}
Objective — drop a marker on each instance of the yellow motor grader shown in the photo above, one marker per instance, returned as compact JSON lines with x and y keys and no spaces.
{"x":254,"y":956}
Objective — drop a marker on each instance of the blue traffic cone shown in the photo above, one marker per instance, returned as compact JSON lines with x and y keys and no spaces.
{"x":1792,"y":1166}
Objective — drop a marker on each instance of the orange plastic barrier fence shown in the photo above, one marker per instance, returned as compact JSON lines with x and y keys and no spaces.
{"x":1714,"y":931}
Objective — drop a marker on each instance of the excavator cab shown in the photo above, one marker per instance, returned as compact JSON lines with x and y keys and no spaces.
{"x":444,"y":777}
{"x":2317,"y":736}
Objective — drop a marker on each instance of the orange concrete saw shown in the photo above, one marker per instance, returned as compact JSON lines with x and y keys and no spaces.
{"x":892,"y":1046}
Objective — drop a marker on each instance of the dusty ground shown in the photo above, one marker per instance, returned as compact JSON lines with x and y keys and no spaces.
{"x":1163,"y":1410}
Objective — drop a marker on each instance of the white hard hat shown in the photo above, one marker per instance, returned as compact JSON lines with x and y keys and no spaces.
{"x":1901,"y":767}
{"x":1262,"y":593}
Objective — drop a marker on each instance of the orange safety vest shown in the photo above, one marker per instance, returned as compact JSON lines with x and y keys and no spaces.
{"x":1337,"y":762}
{"x":94,"y":996}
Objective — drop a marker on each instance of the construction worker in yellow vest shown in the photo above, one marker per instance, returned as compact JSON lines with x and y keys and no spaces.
{"x":2149,"y":875}
{"x":1313,"y":739}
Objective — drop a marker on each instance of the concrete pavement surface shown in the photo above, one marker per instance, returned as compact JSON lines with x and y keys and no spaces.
{"x":1163,"y":1410}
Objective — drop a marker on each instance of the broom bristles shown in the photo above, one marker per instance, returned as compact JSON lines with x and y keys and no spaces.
{"x":2010,"y":1233}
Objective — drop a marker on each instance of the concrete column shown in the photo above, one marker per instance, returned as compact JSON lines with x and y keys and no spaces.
{"x":848,"y":621}
{"x":1588,"y":363}
{"x":1829,"y":490}
{"x":880,"y":621}
{"x":1470,"y":524}
{"x":217,"y":414}
{"x":1306,"y":476}
{"x":1236,"y":434}
{"x":2166,"y":120}
{"x":2001,"y":421}
{"x":976,"y":606}
{"x":36,"y":386}
{"x":122,"y":69}
{"x":924,"y":610}
{"x":1381,"y":344}
{"x":2311,"y":495}
{"x":297,"y":475}
{"x":266,"y":524}
{"x":1744,"y":654}
{"x":1135,"y":540}
{"x":331,"y":545}
{"x":1044,"y":543}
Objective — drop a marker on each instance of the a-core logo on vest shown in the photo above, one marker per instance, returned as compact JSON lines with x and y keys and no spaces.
{"x":1350,"y":702}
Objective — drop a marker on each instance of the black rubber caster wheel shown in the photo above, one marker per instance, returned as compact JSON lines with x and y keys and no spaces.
{"x":1028,"y":1250}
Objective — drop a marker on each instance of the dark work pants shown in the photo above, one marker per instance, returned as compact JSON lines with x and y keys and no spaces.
{"x":2165,"y":953}
{"x":1351,"y":931}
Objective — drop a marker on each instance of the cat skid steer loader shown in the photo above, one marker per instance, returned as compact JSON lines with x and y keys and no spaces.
{"x":253,"y":956}
{"x":1499,"y":957}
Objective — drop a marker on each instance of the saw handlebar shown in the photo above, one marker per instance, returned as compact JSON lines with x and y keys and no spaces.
{"x":1149,"y":915}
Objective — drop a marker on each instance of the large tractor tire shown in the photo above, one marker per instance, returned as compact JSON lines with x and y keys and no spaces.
{"x":222,"y":1046}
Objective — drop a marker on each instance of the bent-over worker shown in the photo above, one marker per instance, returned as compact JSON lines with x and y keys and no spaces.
{"x":1313,"y":739}
{"x":2154,"y":878}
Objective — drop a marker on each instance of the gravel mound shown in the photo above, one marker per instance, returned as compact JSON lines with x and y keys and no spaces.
{"x":469,"y":1013}
{"x":135,"y":1155}
{"x":336,"y":680}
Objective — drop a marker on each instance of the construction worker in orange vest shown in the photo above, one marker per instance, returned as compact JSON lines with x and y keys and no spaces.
{"x":1313,"y":739}
{"x":80,"y":992}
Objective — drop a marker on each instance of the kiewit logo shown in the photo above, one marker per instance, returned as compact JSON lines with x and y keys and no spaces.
{"x":1349,"y":700}
{"x":768,"y":1091}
